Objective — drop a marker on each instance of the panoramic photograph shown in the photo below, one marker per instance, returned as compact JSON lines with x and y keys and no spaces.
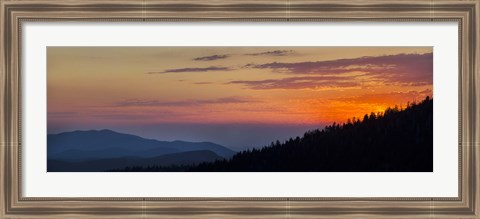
{"x":239,"y":109}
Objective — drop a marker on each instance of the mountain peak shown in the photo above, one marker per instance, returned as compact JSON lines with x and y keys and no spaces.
{"x":107,"y":131}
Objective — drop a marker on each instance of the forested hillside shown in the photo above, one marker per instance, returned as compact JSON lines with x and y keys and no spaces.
{"x":398,"y":140}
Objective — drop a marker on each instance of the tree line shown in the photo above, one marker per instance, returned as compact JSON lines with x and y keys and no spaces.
{"x":397,"y":140}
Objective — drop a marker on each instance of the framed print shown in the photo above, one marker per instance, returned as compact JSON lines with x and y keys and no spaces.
{"x":287,"y":106}
{"x":234,"y":109}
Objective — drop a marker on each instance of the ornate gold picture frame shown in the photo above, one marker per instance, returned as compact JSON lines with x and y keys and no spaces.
{"x":14,"y":13}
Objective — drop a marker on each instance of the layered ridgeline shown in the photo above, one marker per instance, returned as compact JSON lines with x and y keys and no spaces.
{"x":398,"y":140}
{"x":105,"y":149}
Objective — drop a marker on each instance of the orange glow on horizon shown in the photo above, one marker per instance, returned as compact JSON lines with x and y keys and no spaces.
{"x":222,"y":85}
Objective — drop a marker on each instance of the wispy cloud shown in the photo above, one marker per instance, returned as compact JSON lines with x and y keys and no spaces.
{"x":211,"y":58}
{"x":300,"y":83}
{"x":203,"y":82}
{"x":185,"y":103}
{"x":187,"y":70}
{"x":131,"y":116}
{"x":402,"y":69}
{"x":62,"y":114}
{"x":272,"y":53}
{"x":387,"y":98}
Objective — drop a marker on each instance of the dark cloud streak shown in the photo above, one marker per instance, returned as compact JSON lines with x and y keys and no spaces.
{"x":272,"y":53}
{"x":211,"y":58}
{"x":187,"y":70}
{"x":62,"y":114}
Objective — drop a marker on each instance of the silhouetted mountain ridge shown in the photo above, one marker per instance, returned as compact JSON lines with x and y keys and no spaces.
{"x":102,"y":144}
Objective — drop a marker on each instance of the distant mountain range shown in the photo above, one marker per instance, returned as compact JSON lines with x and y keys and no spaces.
{"x":99,"y":150}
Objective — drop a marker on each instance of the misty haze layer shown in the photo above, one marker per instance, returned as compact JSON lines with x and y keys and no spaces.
{"x":235,"y":136}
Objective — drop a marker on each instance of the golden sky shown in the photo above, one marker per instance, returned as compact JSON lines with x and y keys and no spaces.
{"x":114,"y":86}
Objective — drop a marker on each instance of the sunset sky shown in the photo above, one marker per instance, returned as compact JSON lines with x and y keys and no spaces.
{"x":239,"y":97}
